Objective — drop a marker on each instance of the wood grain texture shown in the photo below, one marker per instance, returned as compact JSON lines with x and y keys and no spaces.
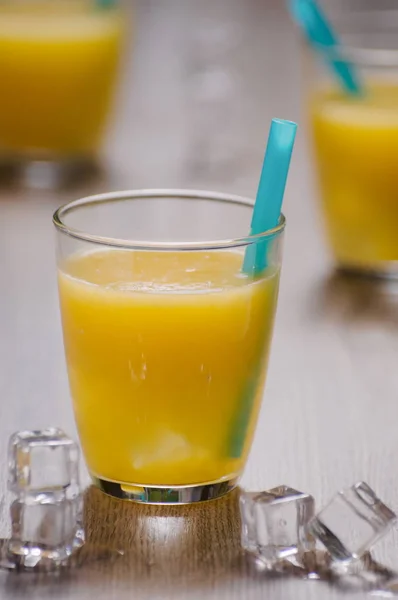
{"x":201,"y":83}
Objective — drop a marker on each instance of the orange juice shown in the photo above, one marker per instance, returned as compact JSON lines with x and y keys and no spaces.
{"x":166,"y":355}
{"x":356,"y":147}
{"x":58,"y":62}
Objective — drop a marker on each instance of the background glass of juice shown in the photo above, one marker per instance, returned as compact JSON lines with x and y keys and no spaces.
{"x":166,"y":339}
{"x":58,"y":65}
{"x":355,"y":142}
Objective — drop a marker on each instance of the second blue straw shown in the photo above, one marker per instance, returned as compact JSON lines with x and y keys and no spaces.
{"x":324,"y":40}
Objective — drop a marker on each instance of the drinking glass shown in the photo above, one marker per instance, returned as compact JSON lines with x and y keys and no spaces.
{"x":166,"y":337}
{"x":355,"y":143}
{"x":58,"y":65}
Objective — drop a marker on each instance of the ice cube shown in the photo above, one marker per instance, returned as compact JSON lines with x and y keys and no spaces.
{"x":387,"y":590}
{"x":45,"y":528}
{"x":275,"y":523}
{"x":167,"y":447}
{"x":44,"y":460}
{"x":353,"y":521}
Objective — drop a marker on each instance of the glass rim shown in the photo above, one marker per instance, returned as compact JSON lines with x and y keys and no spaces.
{"x":362,"y":55}
{"x":371,"y":22}
{"x":149,"y":194}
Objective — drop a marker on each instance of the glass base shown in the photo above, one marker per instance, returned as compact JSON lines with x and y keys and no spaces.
{"x":163,"y":494}
{"x":43,"y":174}
{"x":381,"y":270}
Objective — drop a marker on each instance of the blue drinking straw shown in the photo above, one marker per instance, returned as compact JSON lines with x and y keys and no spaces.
{"x":324,"y":40}
{"x":266,"y":215}
{"x":105,"y":3}
{"x":271,"y":189}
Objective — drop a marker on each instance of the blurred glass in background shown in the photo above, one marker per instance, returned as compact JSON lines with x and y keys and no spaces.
{"x":355,"y":138}
{"x":58,"y":66}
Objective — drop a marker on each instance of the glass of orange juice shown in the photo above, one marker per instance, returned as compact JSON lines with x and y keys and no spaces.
{"x":355,"y":143}
{"x":58,"y":65}
{"x":166,"y":338}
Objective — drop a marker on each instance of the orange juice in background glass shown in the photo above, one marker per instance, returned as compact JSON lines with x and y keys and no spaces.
{"x":58,"y":65}
{"x":166,"y":340}
{"x":355,"y":143}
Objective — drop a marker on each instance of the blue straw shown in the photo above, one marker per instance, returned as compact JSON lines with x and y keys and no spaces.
{"x":105,"y":3}
{"x":271,"y":189}
{"x":266,"y":214}
{"x":323,"y":39}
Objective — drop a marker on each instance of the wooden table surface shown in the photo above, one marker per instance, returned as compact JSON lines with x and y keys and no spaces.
{"x":201,"y":83}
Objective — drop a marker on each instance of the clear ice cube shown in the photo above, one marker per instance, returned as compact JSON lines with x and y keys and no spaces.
{"x":275,"y":523}
{"x":44,"y":460}
{"x":353,"y":521}
{"x":45,"y":529}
